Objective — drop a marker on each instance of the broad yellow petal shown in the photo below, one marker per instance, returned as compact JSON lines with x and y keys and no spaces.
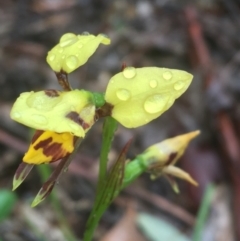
{"x":139,"y":95}
{"x":55,"y":111}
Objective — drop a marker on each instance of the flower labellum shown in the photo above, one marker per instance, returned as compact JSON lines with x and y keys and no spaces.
{"x":48,"y":146}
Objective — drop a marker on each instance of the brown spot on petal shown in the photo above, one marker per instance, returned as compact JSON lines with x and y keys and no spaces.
{"x":171,"y":158}
{"x":52,"y":149}
{"x":36,"y":135}
{"x":44,"y":143}
{"x":74,"y":116}
{"x":51,"y":93}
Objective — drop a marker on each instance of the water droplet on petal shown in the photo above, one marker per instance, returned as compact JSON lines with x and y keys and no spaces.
{"x":16,"y":115}
{"x":80,"y":45}
{"x":123,"y":94}
{"x":129,"y":72}
{"x":169,"y":103}
{"x":155,"y":103}
{"x":153,"y":83}
{"x":60,"y":49}
{"x":39,"y":119}
{"x":85,"y":33}
{"x":67,"y":36}
{"x":71,"y":62}
{"x":179,"y":85}
{"x":51,"y":57}
{"x":167,"y":75}
{"x":68,"y":42}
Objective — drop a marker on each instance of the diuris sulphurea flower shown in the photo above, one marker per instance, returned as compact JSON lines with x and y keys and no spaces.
{"x":133,"y":97}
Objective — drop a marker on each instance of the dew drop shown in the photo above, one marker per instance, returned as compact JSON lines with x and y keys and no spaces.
{"x":80,"y":45}
{"x":60,"y":49}
{"x":129,"y":72}
{"x":67,"y":36}
{"x":16,"y":115}
{"x":39,"y":119}
{"x":155,"y":103}
{"x":51,"y":57}
{"x":169,"y":103}
{"x":167,"y":75}
{"x":123,"y":94}
{"x":85,"y":33}
{"x":71,"y":62}
{"x":153,"y":83}
{"x":68,"y":42}
{"x":179,"y":85}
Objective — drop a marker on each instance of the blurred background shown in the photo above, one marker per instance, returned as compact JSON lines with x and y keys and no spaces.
{"x":201,"y":37}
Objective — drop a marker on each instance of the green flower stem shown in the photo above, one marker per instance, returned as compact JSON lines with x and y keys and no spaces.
{"x":133,"y":170}
{"x":109,"y":128}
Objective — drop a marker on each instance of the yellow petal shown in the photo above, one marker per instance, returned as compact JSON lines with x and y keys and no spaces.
{"x":48,"y":147}
{"x":55,"y":111}
{"x":73,"y":51}
{"x":177,"y":172}
{"x":139,"y":95}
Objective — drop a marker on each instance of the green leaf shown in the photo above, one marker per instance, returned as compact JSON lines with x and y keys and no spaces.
{"x":7,"y":202}
{"x":109,"y":189}
{"x":157,"y":229}
{"x":203,"y":213}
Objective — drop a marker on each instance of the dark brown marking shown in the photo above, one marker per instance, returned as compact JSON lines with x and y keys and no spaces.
{"x":52,"y":149}
{"x":171,"y":158}
{"x":74,"y":116}
{"x":36,"y":135}
{"x":43,"y":143}
{"x":51,"y":93}
{"x":105,"y":110}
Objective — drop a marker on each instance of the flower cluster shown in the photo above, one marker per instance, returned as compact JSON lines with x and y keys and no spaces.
{"x":133,"y":97}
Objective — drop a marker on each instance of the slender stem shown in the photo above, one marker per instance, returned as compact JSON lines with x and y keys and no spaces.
{"x":109,"y":128}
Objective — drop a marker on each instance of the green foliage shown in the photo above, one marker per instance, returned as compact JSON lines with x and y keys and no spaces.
{"x":7,"y":203}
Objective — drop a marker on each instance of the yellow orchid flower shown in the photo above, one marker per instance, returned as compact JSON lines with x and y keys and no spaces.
{"x":72,"y":51}
{"x":56,"y":111}
{"x":139,"y":95}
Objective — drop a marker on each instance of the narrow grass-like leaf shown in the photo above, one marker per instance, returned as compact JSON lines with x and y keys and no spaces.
{"x":109,"y":190}
{"x":109,"y":128}
{"x":203,"y":213}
